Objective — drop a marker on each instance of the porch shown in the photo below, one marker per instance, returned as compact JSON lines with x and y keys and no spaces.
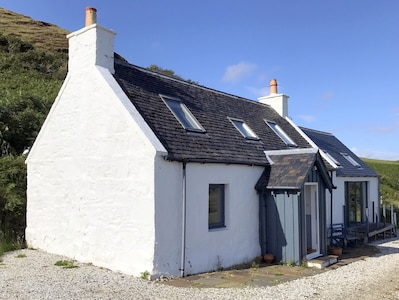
{"x":342,"y":236}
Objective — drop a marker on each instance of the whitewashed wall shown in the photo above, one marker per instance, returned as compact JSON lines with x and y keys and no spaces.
{"x":339,"y":196}
{"x":91,"y":181}
{"x":99,"y":190}
{"x":237,"y":243}
{"x":168,"y":217}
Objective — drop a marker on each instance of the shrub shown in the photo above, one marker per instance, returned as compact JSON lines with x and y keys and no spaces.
{"x":5,"y":245}
{"x":13,"y":198}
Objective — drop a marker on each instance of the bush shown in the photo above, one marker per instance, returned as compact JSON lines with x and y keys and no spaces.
{"x":5,"y":245}
{"x":12,"y":198}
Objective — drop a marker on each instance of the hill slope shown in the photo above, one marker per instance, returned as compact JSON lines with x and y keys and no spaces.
{"x":42,"y":35}
{"x":389,"y":178}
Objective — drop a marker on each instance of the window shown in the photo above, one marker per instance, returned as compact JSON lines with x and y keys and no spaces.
{"x":182,"y":114}
{"x":280,"y":132}
{"x":244,"y":129}
{"x":332,"y":158}
{"x":356,"y":200}
{"x":351,"y":160}
{"x":216,"y":206}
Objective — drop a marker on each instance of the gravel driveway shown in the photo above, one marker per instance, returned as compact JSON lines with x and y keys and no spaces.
{"x":31,"y":274}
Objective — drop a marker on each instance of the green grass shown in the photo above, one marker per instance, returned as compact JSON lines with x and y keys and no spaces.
{"x":389,"y":179}
{"x":43,"y":35}
{"x":66,"y":264}
{"x":6,"y":246}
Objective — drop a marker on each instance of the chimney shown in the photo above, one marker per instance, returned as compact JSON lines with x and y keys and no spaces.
{"x":93,"y":45}
{"x":279,"y":102}
{"x":91,"y":16}
{"x":273,"y":86}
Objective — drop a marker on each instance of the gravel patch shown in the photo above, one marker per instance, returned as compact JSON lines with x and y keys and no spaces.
{"x":34,"y":276}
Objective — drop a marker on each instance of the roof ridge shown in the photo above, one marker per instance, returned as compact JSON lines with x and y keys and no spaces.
{"x":188,"y":83}
{"x":316,"y":131}
{"x":291,"y":151}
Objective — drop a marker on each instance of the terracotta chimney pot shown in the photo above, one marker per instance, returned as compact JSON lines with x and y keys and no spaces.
{"x":273,"y":86}
{"x":91,"y":16}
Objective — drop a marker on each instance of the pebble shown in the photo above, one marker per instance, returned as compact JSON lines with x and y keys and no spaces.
{"x":31,"y":274}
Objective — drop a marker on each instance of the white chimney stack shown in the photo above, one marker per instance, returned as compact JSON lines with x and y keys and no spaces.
{"x":92,"y":45}
{"x":279,"y":102}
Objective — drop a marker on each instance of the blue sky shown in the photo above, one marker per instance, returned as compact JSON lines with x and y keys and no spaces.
{"x":337,"y":60}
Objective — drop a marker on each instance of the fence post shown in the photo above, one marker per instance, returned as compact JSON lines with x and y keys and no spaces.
{"x":366,"y":238}
{"x":384,"y":214}
{"x":392,"y":214}
{"x":374,"y":216}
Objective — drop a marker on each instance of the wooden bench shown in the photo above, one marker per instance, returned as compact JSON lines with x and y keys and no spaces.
{"x":341,"y":236}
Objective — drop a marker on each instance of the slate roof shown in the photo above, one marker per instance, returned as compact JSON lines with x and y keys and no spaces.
{"x":335,"y":148}
{"x":222,"y":142}
{"x":289,"y":171}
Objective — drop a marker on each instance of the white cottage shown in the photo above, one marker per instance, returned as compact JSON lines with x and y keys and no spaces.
{"x":136,"y":171}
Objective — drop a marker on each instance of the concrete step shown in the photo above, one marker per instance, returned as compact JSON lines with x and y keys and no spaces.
{"x":322,"y":262}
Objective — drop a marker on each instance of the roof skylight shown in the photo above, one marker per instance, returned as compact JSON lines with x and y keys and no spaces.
{"x":280,"y":132}
{"x":182,"y":114}
{"x":351,"y":160}
{"x":244,"y":129}
{"x":331,"y":158}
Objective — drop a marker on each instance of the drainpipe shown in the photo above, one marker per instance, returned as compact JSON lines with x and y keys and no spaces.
{"x":331,"y":208}
{"x":183,"y":238}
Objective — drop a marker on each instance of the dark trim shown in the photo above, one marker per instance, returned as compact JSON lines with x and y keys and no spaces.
{"x":222,"y":161}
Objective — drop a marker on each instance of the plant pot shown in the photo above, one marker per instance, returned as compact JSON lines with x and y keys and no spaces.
{"x":259,"y":260}
{"x":268,"y":257}
{"x":337,"y":251}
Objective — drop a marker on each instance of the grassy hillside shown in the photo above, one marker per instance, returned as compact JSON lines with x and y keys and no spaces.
{"x":42,"y":35}
{"x":389,"y":179}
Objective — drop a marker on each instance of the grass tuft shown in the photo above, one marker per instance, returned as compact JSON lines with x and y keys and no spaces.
{"x":6,"y":246}
{"x":66,"y":264}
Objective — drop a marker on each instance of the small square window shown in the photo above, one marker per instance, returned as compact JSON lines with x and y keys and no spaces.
{"x":280,"y":132}
{"x":216,"y":206}
{"x":244,"y":129}
{"x":182,"y":114}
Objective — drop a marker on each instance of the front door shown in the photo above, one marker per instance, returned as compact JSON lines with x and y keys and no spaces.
{"x":312,"y":221}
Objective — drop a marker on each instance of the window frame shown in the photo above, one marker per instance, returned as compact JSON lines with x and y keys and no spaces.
{"x":281,"y":133}
{"x":351,"y":160}
{"x":221,"y":207}
{"x":356,"y":199}
{"x":186,"y":118}
{"x":244,"y":129}
{"x":332,"y":158}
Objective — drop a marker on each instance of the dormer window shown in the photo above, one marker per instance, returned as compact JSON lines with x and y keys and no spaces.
{"x":182,"y":114}
{"x":244,"y":129}
{"x":351,"y":160}
{"x":280,"y":132}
